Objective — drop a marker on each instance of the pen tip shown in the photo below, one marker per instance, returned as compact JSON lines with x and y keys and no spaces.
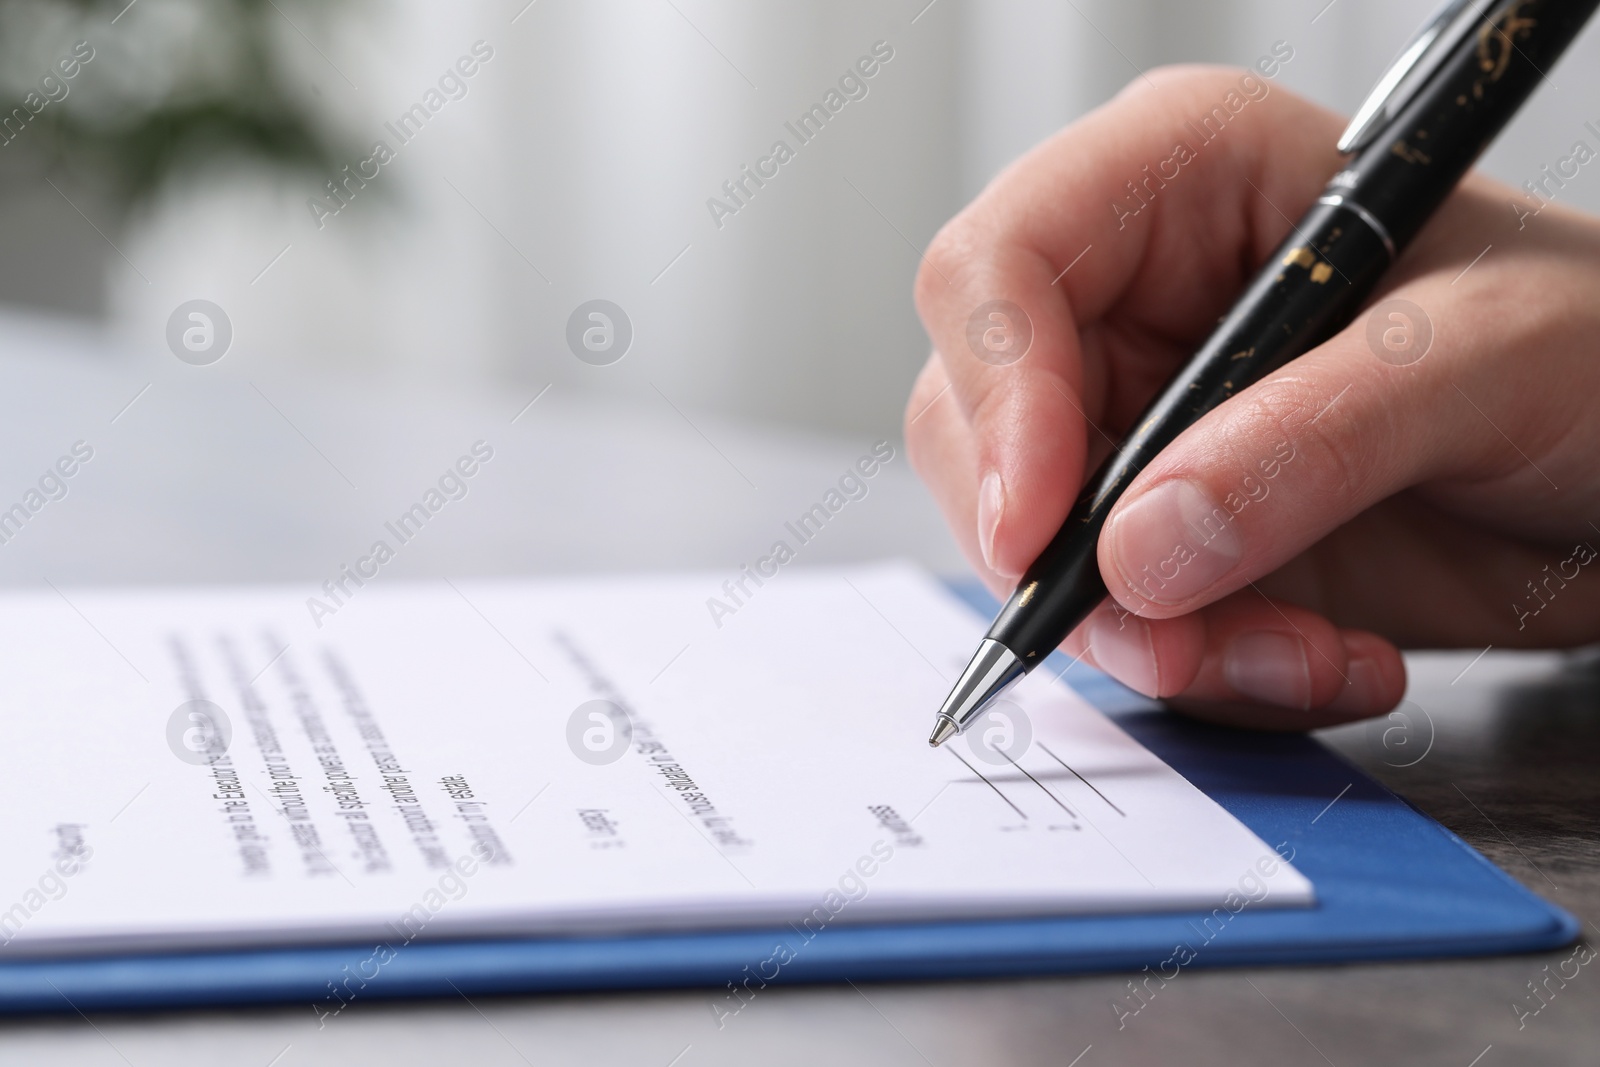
{"x":993,"y":668}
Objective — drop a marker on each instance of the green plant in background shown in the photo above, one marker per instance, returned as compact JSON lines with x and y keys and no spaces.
{"x":171,"y":87}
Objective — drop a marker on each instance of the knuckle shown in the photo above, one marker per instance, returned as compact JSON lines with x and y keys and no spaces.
{"x":923,"y":393}
{"x":1341,"y":455}
{"x":1185,"y":81}
{"x":919,"y":451}
{"x":921,"y":425}
{"x":945,"y":264}
{"x":986,"y":403}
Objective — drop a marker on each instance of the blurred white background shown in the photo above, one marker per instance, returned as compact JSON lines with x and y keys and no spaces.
{"x":580,"y":161}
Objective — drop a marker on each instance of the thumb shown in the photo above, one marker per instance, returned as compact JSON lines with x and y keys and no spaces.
{"x":1272,"y":471}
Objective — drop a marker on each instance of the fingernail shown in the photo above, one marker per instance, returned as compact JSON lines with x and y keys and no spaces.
{"x":991,"y":506}
{"x":1172,"y":543}
{"x":1361,"y":694}
{"x":1270,"y":667}
{"x":1121,"y":645}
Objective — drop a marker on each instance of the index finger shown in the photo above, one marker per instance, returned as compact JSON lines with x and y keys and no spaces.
{"x":1063,"y":295}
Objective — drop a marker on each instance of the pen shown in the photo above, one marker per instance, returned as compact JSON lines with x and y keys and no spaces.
{"x":1436,"y":108}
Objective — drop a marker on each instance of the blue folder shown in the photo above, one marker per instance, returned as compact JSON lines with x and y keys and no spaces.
{"x":1391,"y":884}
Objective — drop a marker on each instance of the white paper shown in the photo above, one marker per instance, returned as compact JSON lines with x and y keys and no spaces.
{"x":778,"y":770}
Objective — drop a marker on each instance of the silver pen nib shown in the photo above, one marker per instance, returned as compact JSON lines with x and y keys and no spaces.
{"x":992,"y":670}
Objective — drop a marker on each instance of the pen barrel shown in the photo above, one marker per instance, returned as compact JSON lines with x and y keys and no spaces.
{"x":1309,"y":289}
{"x":1431,"y":143}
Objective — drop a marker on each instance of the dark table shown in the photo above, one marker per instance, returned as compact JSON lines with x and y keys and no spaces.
{"x":1515,"y":738}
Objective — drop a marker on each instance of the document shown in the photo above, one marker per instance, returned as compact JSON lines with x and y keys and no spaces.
{"x":217,"y":767}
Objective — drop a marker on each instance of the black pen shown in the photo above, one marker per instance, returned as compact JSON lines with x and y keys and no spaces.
{"x":1432,"y":113}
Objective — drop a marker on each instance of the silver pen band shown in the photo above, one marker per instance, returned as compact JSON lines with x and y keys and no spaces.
{"x":1336,"y":200}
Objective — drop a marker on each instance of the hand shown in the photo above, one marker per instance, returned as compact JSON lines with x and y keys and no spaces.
{"x":1373,"y":500}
